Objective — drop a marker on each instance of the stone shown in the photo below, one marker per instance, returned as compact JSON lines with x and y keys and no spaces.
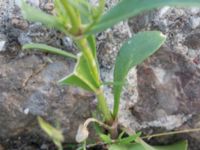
{"x":2,"y":45}
{"x":3,"y":41}
{"x":176,"y":24}
{"x":192,"y":41}
{"x":28,"y":81}
{"x":168,"y":84}
{"x":110,"y":42}
{"x":29,"y":88}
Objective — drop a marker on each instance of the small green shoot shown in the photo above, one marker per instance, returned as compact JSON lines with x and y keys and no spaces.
{"x":53,"y":133}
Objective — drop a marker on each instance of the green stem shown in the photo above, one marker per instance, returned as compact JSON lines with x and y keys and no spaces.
{"x":91,"y":61}
{"x":171,"y":133}
{"x":92,"y":64}
{"x":104,"y":107}
{"x":74,"y":17}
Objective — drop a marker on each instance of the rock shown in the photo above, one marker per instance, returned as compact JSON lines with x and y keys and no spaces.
{"x":192,"y":41}
{"x":29,"y":88}
{"x":28,"y":82}
{"x":168,"y":82}
{"x":110,"y":42}
{"x":2,"y":42}
{"x":176,"y":24}
{"x":19,"y":31}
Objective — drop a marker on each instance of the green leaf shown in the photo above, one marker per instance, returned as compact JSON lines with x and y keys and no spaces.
{"x":105,"y":138}
{"x":133,"y":52}
{"x":126,"y":147}
{"x":36,"y":15}
{"x":48,"y":49}
{"x":81,"y":76}
{"x":177,"y":146}
{"x":53,"y":133}
{"x":121,"y":134}
{"x":129,"y":8}
{"x":129,"y":139}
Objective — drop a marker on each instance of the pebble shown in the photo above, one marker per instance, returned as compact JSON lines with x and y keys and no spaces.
{"x":2,"y":45}
{"x":19,"y":23}
{"x":3,"y":40}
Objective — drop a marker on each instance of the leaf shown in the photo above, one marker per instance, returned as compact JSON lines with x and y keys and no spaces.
{"x":121,"y":134}
{"x":129,"y":139}
{"x":105,"y":138}
{"x":81,"y":76}
{"x":126,"y":147}
{"x":129,"y":8}
{"x":36,"y":15}
{"x":132,"y":53}
{"x":177,"y":146}
{"x":52,"y":132}
{"x":48,"y":49}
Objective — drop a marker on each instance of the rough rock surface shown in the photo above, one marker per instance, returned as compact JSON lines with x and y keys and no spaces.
{"x":29,"y":88}
{"x":28,"y":83}
{"x":169,"y":100}
{"x":168,"y":82}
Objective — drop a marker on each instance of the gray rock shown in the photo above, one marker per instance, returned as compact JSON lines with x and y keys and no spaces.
{"x":29,"y":88}
{"x":2,"y":42}
{"x":176,"y":24}
{"x":110,"y":42}
{"x":2,"y":45}
{"x":28,"y":83}
{"x":168,"y":82}
{"x":192,"y":41}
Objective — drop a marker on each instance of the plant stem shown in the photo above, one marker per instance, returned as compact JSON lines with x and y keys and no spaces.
{"x":171,"y":133}
{"x":103,"y":107}
{"x":74,"y":17}
{"x":91,"y":61}
{"x":92,"y":64}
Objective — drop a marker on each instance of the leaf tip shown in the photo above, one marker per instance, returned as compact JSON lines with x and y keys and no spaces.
{"x":61,"y":82}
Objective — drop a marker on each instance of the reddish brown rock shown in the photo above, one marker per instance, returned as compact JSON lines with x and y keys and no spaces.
{"x":168,"y":84}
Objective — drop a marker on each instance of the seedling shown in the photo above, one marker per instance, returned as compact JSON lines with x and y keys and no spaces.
{"x":80,"y":21}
